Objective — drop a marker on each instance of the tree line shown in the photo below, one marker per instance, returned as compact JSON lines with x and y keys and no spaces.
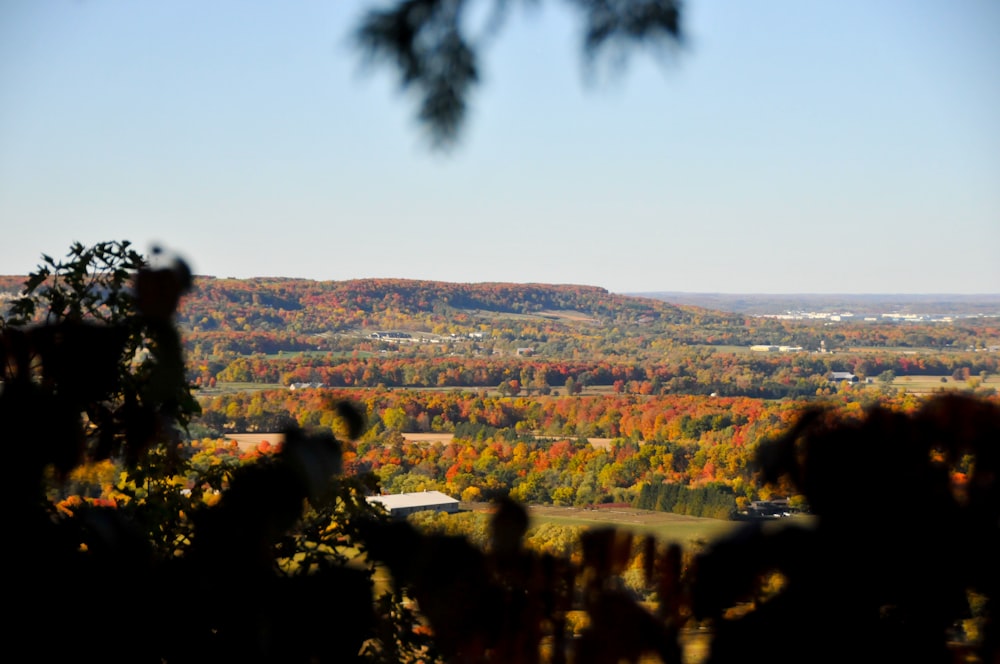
{"x":684,"y":372}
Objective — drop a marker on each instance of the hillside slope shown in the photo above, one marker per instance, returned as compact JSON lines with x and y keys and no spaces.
{"x":526,"y":314}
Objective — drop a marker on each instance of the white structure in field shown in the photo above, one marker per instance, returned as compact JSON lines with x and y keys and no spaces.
{"x":838,"y":376}
{"x":400,"y":505}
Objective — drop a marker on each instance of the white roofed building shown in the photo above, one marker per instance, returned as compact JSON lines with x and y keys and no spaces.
{"x":837,"y":376}
{"x":400,"y":505}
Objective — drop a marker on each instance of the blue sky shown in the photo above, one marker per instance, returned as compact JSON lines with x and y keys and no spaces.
{"x":788,"y":147}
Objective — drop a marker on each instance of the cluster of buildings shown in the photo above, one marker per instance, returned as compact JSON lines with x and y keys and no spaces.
{"x":778,"y":508}
{"x":894,"y":317}
{"x":393,"y":336}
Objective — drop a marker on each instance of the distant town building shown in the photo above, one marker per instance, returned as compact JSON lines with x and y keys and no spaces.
{"x":304,"y":386}
{"x":769,"y":509}
{"x":390,"y":336}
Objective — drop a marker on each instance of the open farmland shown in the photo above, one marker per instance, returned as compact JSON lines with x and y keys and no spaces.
{"x":248,"y":441}
{"x":931,"y":384}
{"x":223,"y":387}
{"x":665,"y":526}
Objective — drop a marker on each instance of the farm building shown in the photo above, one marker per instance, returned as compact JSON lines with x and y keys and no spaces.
{"x":402,"y":504}
{"x":836,"y":376}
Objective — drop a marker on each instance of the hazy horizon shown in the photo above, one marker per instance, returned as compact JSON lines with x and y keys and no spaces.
{"x":638,"y":293}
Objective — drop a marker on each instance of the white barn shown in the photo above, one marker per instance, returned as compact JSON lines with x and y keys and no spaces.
{"x":837,"y":376}
{"x":400,"y":505}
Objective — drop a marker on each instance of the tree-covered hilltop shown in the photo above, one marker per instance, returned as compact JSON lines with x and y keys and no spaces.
{"x":569,"y":318}
{"x":558,"y":321}
{"x":412,"y":333}
{"x":539,"y":337}
{"x":314,"y":307}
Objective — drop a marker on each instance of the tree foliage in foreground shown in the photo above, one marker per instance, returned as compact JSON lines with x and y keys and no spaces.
{"x":429,"y":44}
{"x":263,"y":572}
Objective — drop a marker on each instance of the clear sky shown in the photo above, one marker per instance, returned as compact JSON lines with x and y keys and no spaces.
{"x":848,"y":146}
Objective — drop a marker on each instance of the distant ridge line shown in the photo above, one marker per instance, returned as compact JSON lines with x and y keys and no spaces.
{"x":965,"y":304}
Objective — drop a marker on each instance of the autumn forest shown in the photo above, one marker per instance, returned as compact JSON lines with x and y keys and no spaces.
{"x":508,"y":395}
{"x":522,"y":376}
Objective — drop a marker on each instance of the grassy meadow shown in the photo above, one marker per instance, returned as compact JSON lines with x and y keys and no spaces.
{"x":931,"y":384}
{"x":665,"y":526}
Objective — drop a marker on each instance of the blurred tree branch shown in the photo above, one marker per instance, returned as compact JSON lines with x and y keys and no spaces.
{"x":427,"y":43}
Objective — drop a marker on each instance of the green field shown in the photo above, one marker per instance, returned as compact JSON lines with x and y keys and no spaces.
{"x":336,"y":354}
{"x":665,"y":526}
{"x":931,"y":384}
{"x":228,"y":388}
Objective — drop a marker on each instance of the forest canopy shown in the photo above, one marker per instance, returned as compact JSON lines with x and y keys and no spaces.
{"x":97,"y":398}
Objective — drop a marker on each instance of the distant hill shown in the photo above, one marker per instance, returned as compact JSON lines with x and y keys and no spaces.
{"x":410,"y":333}
{"x":549,"y":316}
{"x":590,"y":302}
{"x":772,"y":304}
{"x":310,"y":307}
{"x":272,"y":314}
